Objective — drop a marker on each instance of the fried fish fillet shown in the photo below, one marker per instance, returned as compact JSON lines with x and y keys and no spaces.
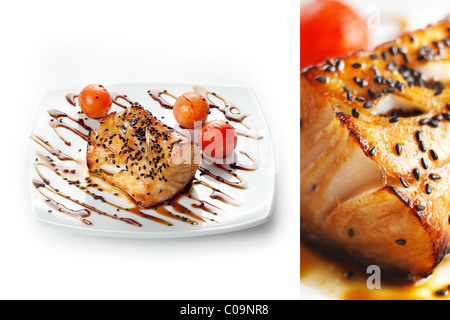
{"x":375,"y":152}
{"x":141,"y":156}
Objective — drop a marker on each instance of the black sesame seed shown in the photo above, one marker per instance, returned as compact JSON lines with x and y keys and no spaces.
{"x":433,"y":154}
{"x":424,"y":53}
{"x":424,"y":163}
{"x":378,"y":95}
{"x":434,"y":123}
{"x":363,"y":83}
{"x":361,"y":99}
{"x":372,"y":151}
{"x":438,"y":89}
{"x":419,"y":136}
{"x":360,"y":82}
{"x":401,"y":242}
{"x":340,"y":65}
{"x":378,"y":79}
{"x":356,"y":65}
{"x":416,"y":174}
{"x":404,"y":55}
{"x":434,"y":176}
{"x":349,"y":96}
{"x":355,"y":113}
{"x":351,"y":233}
{"x":394,"y":119}
{"x":424,"y":121}
{"x":442,"y":292}
{"x":428,"y":189}
{"x":321,"y":79}
{"x":391,"y":66}
{"x":392,"y":50}
{"x":374,"y":56}
{"x":422,"y":146}
{"x":438,"y":117}
{"x":330,"y":69}
{"x":419,"y":207}
{"x":398,"y":148}
{"x":404,"y":183}
{"x":368,"y":104}
{"x":349,"y":275}
{"x":347,"y":88}
{"x":446,"y":116}
{"x":447,"y":106}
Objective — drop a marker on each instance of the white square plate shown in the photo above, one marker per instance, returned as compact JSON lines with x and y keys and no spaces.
{"x":255,"y":202}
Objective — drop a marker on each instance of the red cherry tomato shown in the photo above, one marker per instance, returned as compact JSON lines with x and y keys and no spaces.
{"x":95,"y":101}
{"x":329,"y":29}
{"x":190,"y":107}
{"x":218,"y":139}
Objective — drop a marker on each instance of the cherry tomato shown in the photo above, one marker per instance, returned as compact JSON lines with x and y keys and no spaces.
{"x":218,"y":139}
{"x":190,"y":107}
{"x":328,"y":29}
{"x":95,"y":101}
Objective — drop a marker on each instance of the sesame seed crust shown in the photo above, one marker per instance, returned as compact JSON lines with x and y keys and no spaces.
{"x":141,"y":155}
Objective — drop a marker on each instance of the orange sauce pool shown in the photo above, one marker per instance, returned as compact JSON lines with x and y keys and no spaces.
{"x":337,"y":280}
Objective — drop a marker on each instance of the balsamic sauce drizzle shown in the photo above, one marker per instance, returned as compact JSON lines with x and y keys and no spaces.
{"x":56,"y":122}
{"x":241,"y":183}
{"x":75,"y":172}
{"x":217,"y":194}
{"x":157,"y":94}
{"x":239,"y":166}
{"x":70,"y":97}
{"x":81,"y":214}
{"x":115,"y":95}
{"x":83,"y":182}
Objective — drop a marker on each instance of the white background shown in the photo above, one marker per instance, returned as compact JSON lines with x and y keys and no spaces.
{"x":57,"y":44}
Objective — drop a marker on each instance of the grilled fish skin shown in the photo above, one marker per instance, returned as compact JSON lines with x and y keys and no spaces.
{"x":375,"y":171}
{"x":142,"y":156}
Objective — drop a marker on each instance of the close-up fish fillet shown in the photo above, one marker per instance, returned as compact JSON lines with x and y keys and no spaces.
{"x":375,"y":154}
